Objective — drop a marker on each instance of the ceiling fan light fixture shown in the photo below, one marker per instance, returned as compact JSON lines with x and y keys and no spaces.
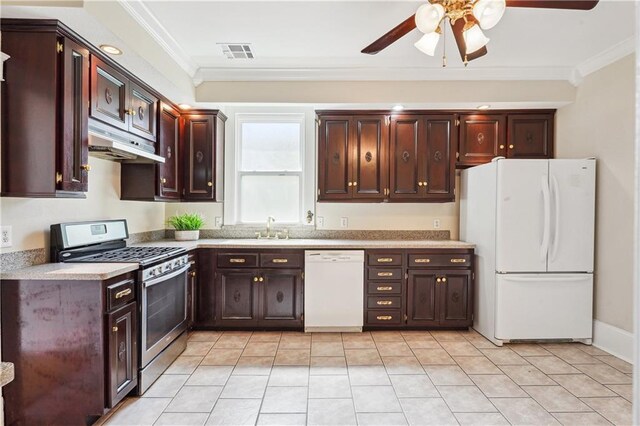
{"x":489,"y":12}
{"x":427,"y":43}
{"x":428,"y":17}
{"x":474,"y":39}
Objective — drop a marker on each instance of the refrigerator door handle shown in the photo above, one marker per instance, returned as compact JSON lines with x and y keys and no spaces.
{"x":556,"y":229}
{"x":539,"y":278}
{"x":544,"y":247}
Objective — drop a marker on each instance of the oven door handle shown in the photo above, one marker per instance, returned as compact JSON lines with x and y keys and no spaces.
{"x":162,"y":278}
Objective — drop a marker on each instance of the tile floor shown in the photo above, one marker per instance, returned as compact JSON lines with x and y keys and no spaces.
{"x":382,"y":378}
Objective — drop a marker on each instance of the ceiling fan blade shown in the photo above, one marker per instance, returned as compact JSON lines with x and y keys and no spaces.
{"x":554,"y":4}
{"x":462,"y":46}
{"x":392,"y":36}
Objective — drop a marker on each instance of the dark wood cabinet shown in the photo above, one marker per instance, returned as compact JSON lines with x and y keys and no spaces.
{"x":74,"y":344}
{"x":44,"y":113}
{"x":267,"y":297}
{"x":202,"y":142}
{"x":441,"y":138}
{"x":109,"y":94}
{"x":370,"y":151}
{"x":419,"y":289}
{"x":530,"y":135}
{"x":482,"y":137}
{"x":122,"y":355}
{"x":169,"y":179}
{"x":406,"y":157}
{"x":335,"y":158}
{"x":143,"y":110}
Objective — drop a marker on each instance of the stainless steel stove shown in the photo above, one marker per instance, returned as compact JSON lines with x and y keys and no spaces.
{"x":161,"y":287}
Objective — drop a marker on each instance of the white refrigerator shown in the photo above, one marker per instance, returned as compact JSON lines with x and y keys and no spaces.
{"x":532,"y":222}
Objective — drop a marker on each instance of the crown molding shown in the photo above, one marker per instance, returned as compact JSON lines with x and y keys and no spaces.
{"x":604,"y":58}
{"x":143,"y":16}
{"x":381,"y":74}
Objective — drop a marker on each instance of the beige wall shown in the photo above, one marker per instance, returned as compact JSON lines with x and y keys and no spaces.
{"x":601,"y":124}
{"x":30,"y":218}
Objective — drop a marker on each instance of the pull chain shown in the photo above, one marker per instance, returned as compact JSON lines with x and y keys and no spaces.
{"x":444,"y":45}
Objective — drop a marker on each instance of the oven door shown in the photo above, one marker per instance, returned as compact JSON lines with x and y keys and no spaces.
{"x":163,"y":312}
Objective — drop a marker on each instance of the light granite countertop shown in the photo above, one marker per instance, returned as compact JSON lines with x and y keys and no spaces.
{"x":70,"y":271}
{"x":103,"y":271}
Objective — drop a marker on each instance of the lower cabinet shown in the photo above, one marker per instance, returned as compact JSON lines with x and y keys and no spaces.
{"x":122,"y":353}
{"x":419,"y":289}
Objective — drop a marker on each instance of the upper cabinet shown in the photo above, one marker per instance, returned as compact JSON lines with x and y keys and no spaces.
{"x":44,"y":111}
{"x":521,"y":134}
{"x":202,"y":147}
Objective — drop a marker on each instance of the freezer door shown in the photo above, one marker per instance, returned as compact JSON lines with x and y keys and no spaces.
{"x":544,"y":306}
{"x":572,"y":184}
{"x":522,"y":214}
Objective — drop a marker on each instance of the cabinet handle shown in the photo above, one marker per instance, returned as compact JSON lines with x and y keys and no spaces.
{"x":209,"y":184}
{"x":255,"y":279}
{"x":280,"y":260}
{"x":261,"y":279}
{"x":384,"y":288}
{"x":385,"y":274}
{"x":384,"y":317}
{"x":384,"y":302}
{"x":234,"y":260}
{"x":123,"y":293}
{"x":86,"y":167}
{"x":458,"y":260}
{"x":501,"y":146}
{"x":424,"y":260}
{"x":385,"y":260}
{"x":114,"y":328}
{"x":511,"y":146}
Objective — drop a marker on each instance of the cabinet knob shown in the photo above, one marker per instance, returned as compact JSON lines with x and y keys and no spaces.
{"x":130,"y":111}
{"x":193,"y":273}
{"x":350,"y":183}
{"x":114,"y":328}
{"x":260,"y":279}
{"x":419,"y":183}
{"x":444,"y":280}
{"x":501,"y":146}
{"x":163,"y":180}
{"x":355,"y":183}
{"x":86,"y":167}
{"x":255,"y":279}
{"x":424,"y":183}
{"x":511,"y":146}
{"x":438,"y":280}
{"x":209,"y":184}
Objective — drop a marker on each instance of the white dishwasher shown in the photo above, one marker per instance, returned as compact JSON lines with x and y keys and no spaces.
{"x":333,"y":290}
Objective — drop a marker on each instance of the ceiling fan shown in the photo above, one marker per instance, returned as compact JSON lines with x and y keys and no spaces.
{"x":467,"y":19}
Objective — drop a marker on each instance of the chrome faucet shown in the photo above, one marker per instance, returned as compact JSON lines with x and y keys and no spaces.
{"x":277,"y":235}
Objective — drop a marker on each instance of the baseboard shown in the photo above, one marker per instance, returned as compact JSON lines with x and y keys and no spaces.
{"x":614,"y":340}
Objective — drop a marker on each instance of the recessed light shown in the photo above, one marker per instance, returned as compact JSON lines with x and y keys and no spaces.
{"x":484,"y":106}
{"x":398,"y":108}
{"x":184,"y":106}
{"x":111,"y":50}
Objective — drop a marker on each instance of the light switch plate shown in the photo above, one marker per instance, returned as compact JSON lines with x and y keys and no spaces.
{"x":436,"y":223}
{"x":6,"y":240}
{"x":344,"y":222}
{"x":320,"y":221}
{"x":218,"y":223}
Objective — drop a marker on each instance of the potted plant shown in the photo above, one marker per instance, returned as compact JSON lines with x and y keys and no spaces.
{"x":187,"y":226}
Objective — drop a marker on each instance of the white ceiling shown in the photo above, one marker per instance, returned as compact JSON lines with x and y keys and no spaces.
{"x":318,"y":40}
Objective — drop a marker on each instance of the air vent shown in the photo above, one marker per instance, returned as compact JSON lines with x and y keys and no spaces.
{"x":237,"y":50}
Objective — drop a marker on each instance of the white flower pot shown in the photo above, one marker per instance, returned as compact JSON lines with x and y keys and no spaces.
{"x":187,"y":235}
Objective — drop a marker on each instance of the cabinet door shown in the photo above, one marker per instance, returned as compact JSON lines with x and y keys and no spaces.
{"x":122,"y":365}
{"x":198,"y":157}
{"x":334,"y":158}
{"x":238,"y":302}
{"x":281,"y":298}
{"x":404,"y":156}
{"x":370,"y":163}
{"x":168,"y":140}
{"x":109,"y":94}
{"x":143,"y":110}
{"x":422,"y":299}
{"x":456,"y":298}
{"x":438,"y":170}
{"x":73,"y":149}
{"x":482,"y":137}
{"x":530,"y":136}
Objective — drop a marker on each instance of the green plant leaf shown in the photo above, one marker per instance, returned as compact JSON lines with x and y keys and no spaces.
{"x":186,"y":221}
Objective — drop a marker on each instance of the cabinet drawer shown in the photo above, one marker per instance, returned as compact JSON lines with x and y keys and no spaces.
{"x":383,"y":302}
{"x":385,"y":273}
{"x":387,"y":317}
{"x":279,"y":260}
{"x":384,"y":288}
{"x":120,"y":293}
{"x":384,"y":259}
{"x":439,"y":260}
{"x":237,"y":260}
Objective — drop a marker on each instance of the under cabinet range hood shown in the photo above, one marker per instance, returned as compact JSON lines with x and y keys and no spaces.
{"x":110,"y":145}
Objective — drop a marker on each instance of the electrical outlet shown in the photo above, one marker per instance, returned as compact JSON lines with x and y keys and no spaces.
{"x":319,"y":221}
{"x":436,"y":223}
{"x":218,"y":222}
{"x":5,"y":236}
{"x":344,"y":222}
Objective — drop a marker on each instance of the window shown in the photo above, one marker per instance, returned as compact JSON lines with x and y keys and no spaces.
{"x":269,"y":168}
